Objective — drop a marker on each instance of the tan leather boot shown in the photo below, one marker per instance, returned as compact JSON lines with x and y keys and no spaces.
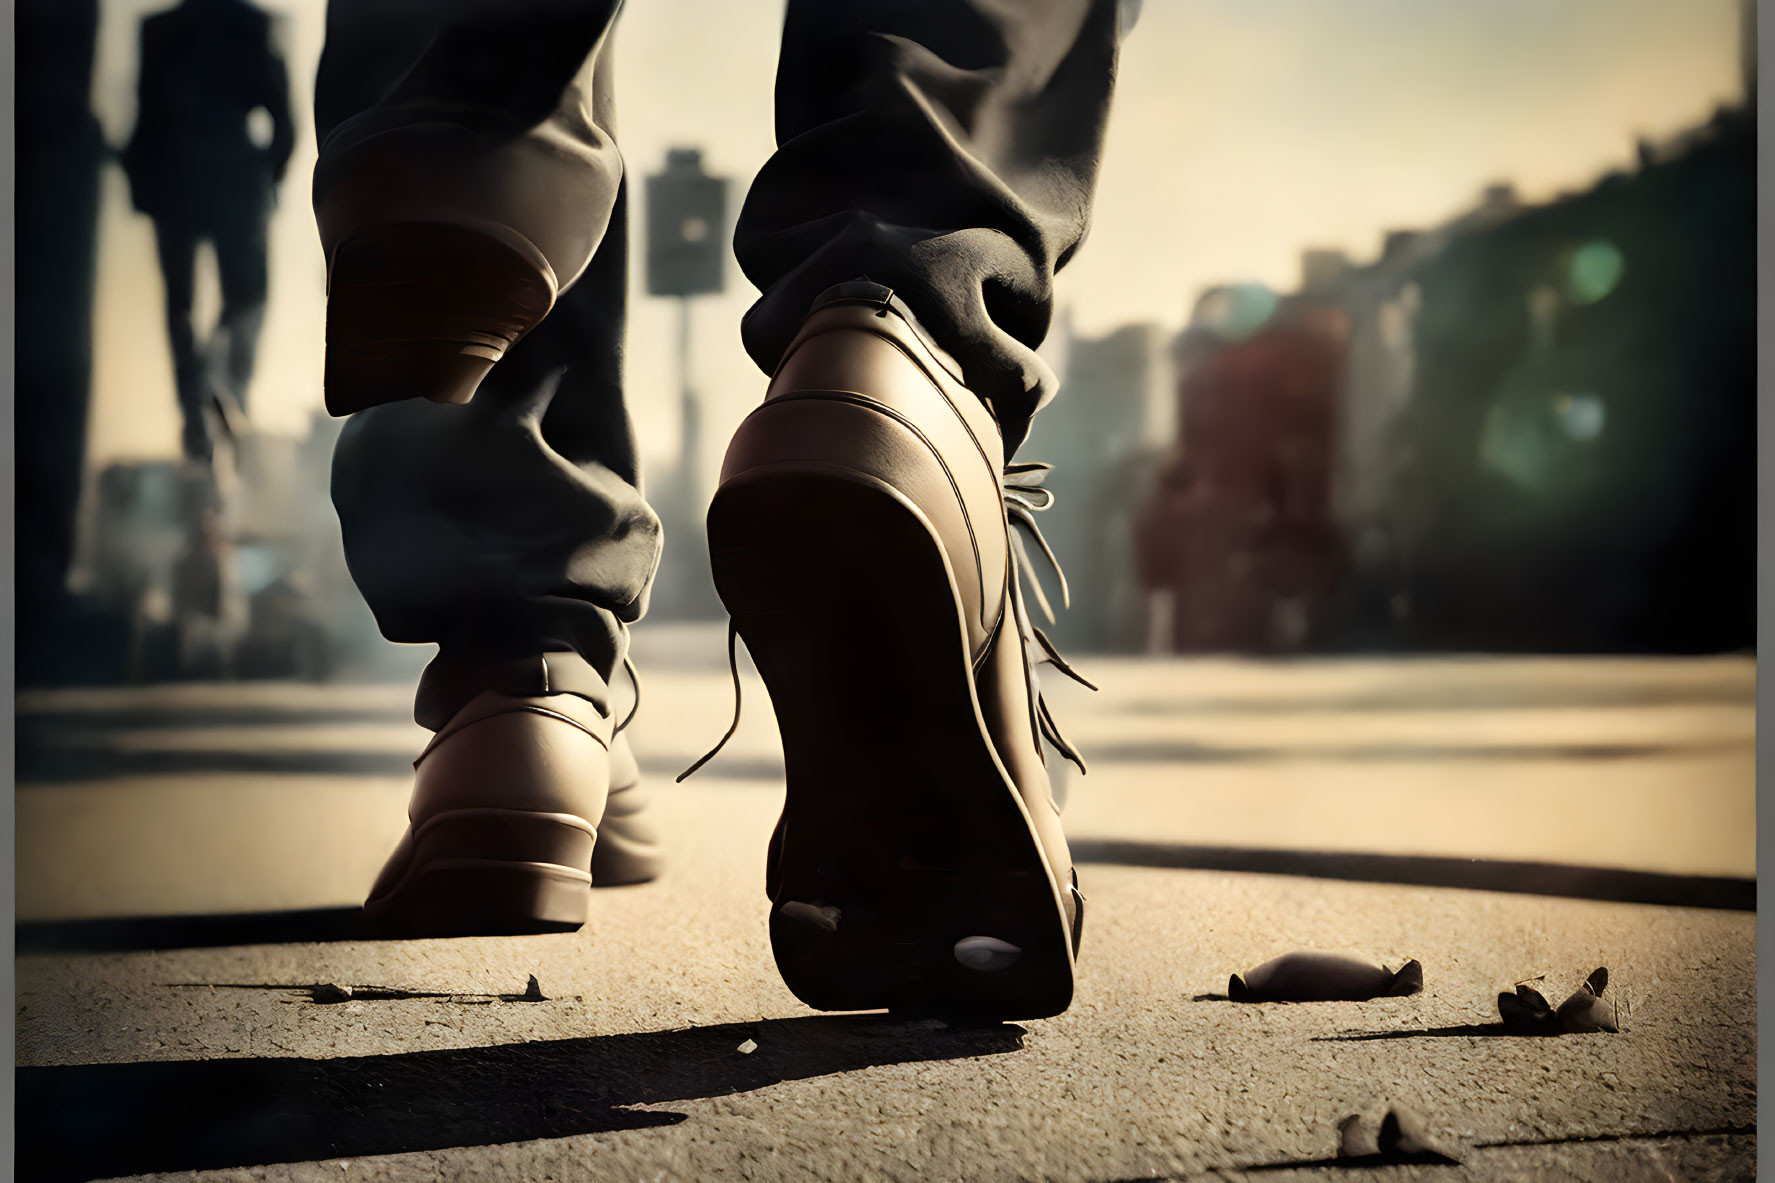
{"x":629,"y":849}
{"x":504,"y":822}
{"x":860,"y":540}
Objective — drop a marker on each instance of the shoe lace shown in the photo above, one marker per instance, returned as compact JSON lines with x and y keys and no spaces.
{"x":733,"y":669}
{"x":1024,"y":497}
{"x":628,"y":665}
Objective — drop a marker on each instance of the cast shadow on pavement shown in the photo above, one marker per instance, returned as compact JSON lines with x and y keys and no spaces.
{"x":133,"y":934}
{"x":76,"y":760}
{"x":40,"y":766}
{"x":127,"y":933}
{"x":50,"y":724}
{"x":1463,"y":1031}
{"x":1618,"y":885}
{"x":123,"y":934}
{"x":91,"y":1121}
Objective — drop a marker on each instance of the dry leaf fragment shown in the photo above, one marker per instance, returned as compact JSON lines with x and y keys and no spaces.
{"x":1527,"y":1011}
{"x":1585,"y":1012}
{"x":1310,"y":975}
{"x":1403,"y":1134}
{"x":1401,"y":1138}
{"x":1355,"y":1139}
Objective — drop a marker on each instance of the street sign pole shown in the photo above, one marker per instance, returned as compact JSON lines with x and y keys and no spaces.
{"x":686,"y":257}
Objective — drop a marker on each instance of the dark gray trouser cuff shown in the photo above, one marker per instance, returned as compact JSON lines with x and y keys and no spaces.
{"x":452,"y":681}
{"x":867,"y":291}
{"x":947,"y":149}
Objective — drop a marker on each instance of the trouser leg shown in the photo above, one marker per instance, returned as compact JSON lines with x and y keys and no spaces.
{"x":177,"y":245}
{"x":241,"y":261}
{"x":481,"y":110}
{"x":512,"y":531}
{"x":947,"y":149}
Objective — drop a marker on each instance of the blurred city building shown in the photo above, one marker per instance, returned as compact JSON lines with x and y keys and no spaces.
{"x":1529,"y":428}
{"x":1103,"y":436}
{"x":1237,"y":538}
{"x":1576,"y":463}
{"x":250,"y":584}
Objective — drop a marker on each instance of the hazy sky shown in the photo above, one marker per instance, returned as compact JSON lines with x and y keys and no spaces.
{"x":1243,"y":131}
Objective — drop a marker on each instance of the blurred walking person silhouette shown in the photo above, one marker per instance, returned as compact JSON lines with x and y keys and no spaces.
{"x":212,"y":139}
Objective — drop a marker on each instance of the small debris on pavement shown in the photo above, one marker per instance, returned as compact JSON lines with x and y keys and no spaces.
{"x":1401,"y":1137}
{"x":1585,"y":1011}
{"x":1355,"y":1139}
{"x":748,"y":1047}
{"x":1527,"y":1011}
{"x":334,"y":992}
{"x":1310,"y":975}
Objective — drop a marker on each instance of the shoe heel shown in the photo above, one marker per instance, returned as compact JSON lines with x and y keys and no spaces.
{"x":488,"y":899}
{"x":425,"y":310}
{"x":492,"y":871}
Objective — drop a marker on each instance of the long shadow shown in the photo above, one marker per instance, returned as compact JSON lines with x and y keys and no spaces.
{"x":1555,"y":879}
{"x":53,"y":719}
{"x":52,"y":756}
{"x":1372,"y":1162}
{"x":42,"y":765}
{"x":1519,"y":696}
{"x":1467,"y":1030}
{"x":123,"y":934}
{"x":1186,"y":752}
{"x":1486,"y":1030}
{"x":118,"y":934}
{"x":1358,"y":1162}
{"x":102,"y":1120}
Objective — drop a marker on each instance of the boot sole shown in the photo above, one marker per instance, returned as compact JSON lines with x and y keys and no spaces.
{"x":907,"y":855}
{"x":490,"y":872}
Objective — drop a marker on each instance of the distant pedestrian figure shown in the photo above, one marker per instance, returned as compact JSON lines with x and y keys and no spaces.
{"x":201,"y":169}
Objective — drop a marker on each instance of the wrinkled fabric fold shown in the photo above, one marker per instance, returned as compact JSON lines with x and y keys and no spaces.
{"x":945,"y":149}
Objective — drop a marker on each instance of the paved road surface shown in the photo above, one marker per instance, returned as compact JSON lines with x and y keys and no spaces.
{"x":1222,"y":796}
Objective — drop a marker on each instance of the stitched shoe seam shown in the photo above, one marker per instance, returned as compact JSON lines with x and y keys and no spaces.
{"x":522,"y":709}
{"x":571,"y":820}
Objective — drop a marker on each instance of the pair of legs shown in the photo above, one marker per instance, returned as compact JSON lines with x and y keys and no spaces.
{"x":240,"y":246}
{"x":936,"y":160}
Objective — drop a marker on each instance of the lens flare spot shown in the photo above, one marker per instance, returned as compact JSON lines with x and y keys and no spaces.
{"x":1595,"y":271}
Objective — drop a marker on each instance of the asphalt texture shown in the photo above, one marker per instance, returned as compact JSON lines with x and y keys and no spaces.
{"x":189,"y":855}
